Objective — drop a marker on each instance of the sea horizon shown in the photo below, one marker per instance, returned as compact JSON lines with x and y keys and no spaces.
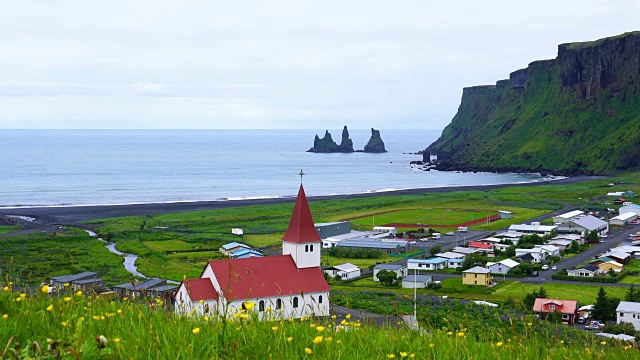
{"x":58,"y":168}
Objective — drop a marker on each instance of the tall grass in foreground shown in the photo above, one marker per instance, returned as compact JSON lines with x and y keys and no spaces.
{"x":77,"y":326}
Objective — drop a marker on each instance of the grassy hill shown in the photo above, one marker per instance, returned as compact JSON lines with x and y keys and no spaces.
{"x":576,"y":114}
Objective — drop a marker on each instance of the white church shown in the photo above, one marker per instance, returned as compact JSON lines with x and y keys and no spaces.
{"x":290,"y":285}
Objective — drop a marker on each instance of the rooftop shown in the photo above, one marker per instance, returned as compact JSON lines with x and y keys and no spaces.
{"x":392,"y":267}
{"x":417,"y":278}
{"x":200,"y":289}
{"x":433,"y":260}
{"x":570,"y":214}
{"x":477,"y":270}
{"x":232,"y":245}
{"x":73,"y":277}
{"x":590,"y":222}
{"x":628,"y":306}
{"x":301,"y":228}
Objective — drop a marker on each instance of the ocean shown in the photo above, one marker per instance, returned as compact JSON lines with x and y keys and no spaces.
{"x":94,"y":167}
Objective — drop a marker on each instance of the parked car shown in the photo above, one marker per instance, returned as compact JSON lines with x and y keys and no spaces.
{"x":535,"y":273}
{"x":451,"y":233}
{"x":592,"y":327}
{"x":545,"y":267}
{"x":582,"y":320}
{"x":554,"y":268}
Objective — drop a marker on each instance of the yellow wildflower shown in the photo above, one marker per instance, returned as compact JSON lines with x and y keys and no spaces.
{"x":116,"y":340}
{"x":333,"y":316}
{"x":460,"y":334}
{"x":119,"y":311}
{"x":317,"y":340}
{"x":449,"y":333}
{"x":308,"y":351}
{"x":5,"y":316}
{"x":101,"y":317}
{"x":412,"y":356}
{"x":391,"y":356}
{"x":6,"y":288}
{"x":45,"y":289}
{"x":67,"y":299}
{"x":561,"y":341}
{"x":328,"y":339}
{"x":22,"y":296}
{"x":320,"y":328}
{"x":248,"y":305}
{"x":17,"y":299}
{"x":64,"y":323}
{"x":269,"y":308}
{"x":529,"y":324}
{"x":603,"y":342}
{"x":95,"y":317}
{"x":66,"y":284}
{"x":244,"y":316}
{"x":10,"y":283}
{"x":50,"y":307}
{"x":431,"y":345}
{"x":201,"y":301}
{"x":344,"y":323}
{"x":403,"y":354}
{"x":236,"y":315}
{"x":79,"y":293}
{"x":339,"y":341}
{"x":348,"y":316}
{"x":290,"y":339}
{"x":196,"y":331}
{"x":274,"y":328}
{"x":499,"y":344}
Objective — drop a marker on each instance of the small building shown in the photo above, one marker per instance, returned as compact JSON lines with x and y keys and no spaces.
{"x":477,"y":276}
{"x":400,"y":270}
{"x":481,"y":248}
{"x":630,"y":208}
{"x":227,"y":249}
{"x":618,"y":256}
{"x":162,"y":292}
{"x":534,"y":228}
{"x":611,"y":265}
{"x":538,"y":254}
{"x":562,"y":245}
{"x":329,"y":229}
{"x":584,"y":271}
{"x":344,"y":272}
{"x":570,"y":237}
{"x":624,"y":218}
{"x":526,"y":257}
{"x":585,"y":311}
{"x":88,"y":285}
{"x":435,"y":263}
{"x":416,"y":281}
{"x":629,"y":194}
{"x":454,"y":263}
{"x":568,"y":308}
{"x":465,"y":251}
{"x":586,"y":223}
{"x":502,"y":267}
{"x":451,"y":255}
{"x":59,"y":281}
{"x":332,"y":241}
{"x":567,"y":217}
{"x":629,"y":312}
{"x":135,"y":289}
{"x":513,"y":236}
{"x":504,"y":214}
{"x":385,"y":230}
{"x":245,"y":253}
{"x":386,"y":247}
{"x":237,"y":231}
{"x":551,"y":250}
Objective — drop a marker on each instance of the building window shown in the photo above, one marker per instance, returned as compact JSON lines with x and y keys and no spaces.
{"x":295,"y":301}
{"x":278,"y":304}
{"x":320,"y":299}
{"x":565,"y":316}
{"x":621,"y":314}
{"x":261,"y":305}
{"x":206,"y":308}
{"x":552,"y":307}
{"x":306,"y":248}
{"x":311,"y":247}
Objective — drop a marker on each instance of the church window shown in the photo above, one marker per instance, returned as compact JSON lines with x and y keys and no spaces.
{"x":295,"y":301}
{"x":320,"y":299}
{"x":206,"y":308}
{"x":306,"y":248}
{"x":311,"y":247}
{"x":261,"y":305}
{"x":278,"y":304}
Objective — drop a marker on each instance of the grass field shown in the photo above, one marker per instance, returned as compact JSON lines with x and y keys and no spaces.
{"x":264,"y":240}
{"x":630,"y":280}
{"x":8,"y":229}
{"x":584,"y":294}
{"x":172,"y":245}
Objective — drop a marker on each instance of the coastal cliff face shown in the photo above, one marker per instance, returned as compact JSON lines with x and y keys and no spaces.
{"x":327,"y":145}
{"x":576,"y":114}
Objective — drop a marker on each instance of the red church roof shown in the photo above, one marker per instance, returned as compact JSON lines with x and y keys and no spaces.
{"x":266,"y":276}
{"x":200,"y":289}
{"x":301,"y":227}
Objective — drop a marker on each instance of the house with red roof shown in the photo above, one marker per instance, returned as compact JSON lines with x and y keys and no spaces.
{"x":568,"y":308}
{"x":290,"y":285}
{"x":482,"y":247}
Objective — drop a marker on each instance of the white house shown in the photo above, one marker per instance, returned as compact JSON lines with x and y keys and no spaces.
{"x":436,"y":263}
{"x":400,"y":270}
{"x":584,"y":271}
{"x":285,"y":286}
{"x":560,"y":244}
{"x":451,"y":255}
{"x":417,"y":281}
{"x":466,"y":251}
{"x":502,"y":267}
{"x":538,"y":254}
{"x":624,"y":218}
{"x":454,"y":263}
{"x":570,"y":237}
{"x":629,"y":312}
{"x":345,"y":271}
{"x":551,"y":250}
{"x":513,"y":236}
{"x":566,"y":217}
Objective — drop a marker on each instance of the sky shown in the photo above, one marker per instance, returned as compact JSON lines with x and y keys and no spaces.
{"x":273,"y":64}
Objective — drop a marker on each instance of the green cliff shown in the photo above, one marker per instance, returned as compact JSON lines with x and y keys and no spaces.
{"x":327,"y":145}
{"x":375,"y":144}
{"x":576,"y":114}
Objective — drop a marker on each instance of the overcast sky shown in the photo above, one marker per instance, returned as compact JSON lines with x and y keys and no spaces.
{"x":273,"y":64}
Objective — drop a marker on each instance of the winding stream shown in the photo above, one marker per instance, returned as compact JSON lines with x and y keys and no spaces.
{"x":129,"y":259}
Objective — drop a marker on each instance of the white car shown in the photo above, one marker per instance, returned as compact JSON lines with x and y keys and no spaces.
{"x":545,"y":267}
{"x":451,"y":233}
{"x":554,"y":268}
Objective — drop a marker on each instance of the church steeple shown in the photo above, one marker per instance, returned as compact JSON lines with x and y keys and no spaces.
{"x":301,"y":240}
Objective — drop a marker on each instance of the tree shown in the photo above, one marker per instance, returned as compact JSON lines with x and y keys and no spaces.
{"x":511,"y":251}
{"x":530,"y":298}
{"x":575,"y":247}
{"x":592,"y":237}
{"x":524,"y":268}
{"x":542,"y":293}
{"x":632,"y":294}
{"x":387,"y":277}
{"x":435,"y":249}
{"x":605,"y":308}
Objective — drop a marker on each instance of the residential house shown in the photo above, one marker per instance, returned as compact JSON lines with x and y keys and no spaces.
{"x":466,"y":251}
{"x":568,"y":308}
{"x":551,"y":250}
{"x":135,"y":289}
{"x":513,"y":236}
{"x":566,"y":217}
{"x":416,"y":281}
{"x":493,"y":241}
{"x":227,"y":249}
{"x":399,"y":269}
{"x":59,"y":281}
{"x":292,"y":284}
{"x":526,"y":257}
{"x":611,"y":265}
{"x":162,"y":292}
{"x":539,"y":255}
{"x":533,"y":228}
{"x":88,"y":285}
{"x":449,"y":255}
{"x":502,"y":267}
{"x":585,"y":271}
{"x":599,"y":261}
{"x":618,"y":256}
{"x":585,"y":311}
{"x":482,"y":248}
{"x":245,"y":253}
{"x":477,"y":276}
{"x":344,"y":271}
{"x":435,"y":263}
{"x":629,"y":312}
{"x":454,"y":263}
{"x":570,"y":237}
{"x":562,"y":245}
{"x":624,"y":218}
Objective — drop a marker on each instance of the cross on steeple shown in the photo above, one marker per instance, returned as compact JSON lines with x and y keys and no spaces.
{"x":301,"y":175}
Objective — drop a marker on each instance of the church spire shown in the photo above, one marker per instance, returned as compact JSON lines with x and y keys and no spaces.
{"x":301,"y":227}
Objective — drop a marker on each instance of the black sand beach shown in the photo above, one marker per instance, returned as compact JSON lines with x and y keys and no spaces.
{"x":73,"y":215}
